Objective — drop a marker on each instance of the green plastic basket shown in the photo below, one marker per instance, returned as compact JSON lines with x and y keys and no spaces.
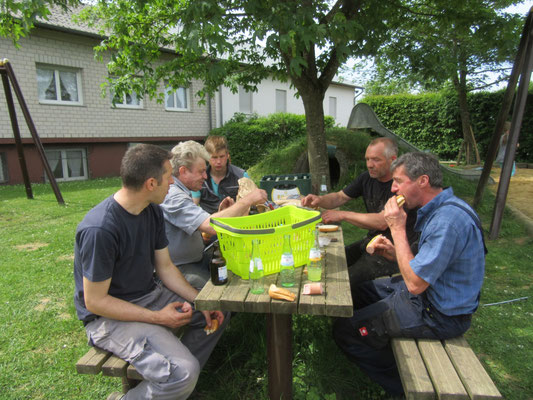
{"x":235,"y":236}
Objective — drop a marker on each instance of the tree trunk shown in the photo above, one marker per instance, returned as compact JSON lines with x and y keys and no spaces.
{"x":468,"y":138}
{"x":316,"y":138}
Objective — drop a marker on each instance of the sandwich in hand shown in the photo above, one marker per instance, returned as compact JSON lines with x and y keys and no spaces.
{"x":214,"y":327}
{"x":370,"y":249}
{"x":400,"y":200}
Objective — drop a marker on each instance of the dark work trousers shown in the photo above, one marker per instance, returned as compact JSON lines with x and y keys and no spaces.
{"x":364,"y":267}
{"x":383,"y":309}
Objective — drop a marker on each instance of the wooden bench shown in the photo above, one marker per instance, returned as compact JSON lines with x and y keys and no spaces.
{"x":446,"y":369}
{"x":97,"y":360}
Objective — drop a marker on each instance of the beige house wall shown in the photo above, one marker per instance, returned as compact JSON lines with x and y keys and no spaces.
{"x":95,"y":118}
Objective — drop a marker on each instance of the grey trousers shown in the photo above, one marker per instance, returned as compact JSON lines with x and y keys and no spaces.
{"x":170,"y":366}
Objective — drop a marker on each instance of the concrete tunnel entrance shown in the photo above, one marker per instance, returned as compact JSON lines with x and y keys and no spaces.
{"x":337,"y":164}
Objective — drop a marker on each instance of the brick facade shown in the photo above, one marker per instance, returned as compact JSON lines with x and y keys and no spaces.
{"x":93,"y":123}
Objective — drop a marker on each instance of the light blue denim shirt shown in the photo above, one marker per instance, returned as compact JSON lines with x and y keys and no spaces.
{"x":451,"y":255}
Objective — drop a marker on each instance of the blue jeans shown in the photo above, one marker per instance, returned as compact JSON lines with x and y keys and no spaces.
{"x":383,"y":309}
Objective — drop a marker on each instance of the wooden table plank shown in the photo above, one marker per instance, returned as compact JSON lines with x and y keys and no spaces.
{"x":209,"y":296}
{"x":316,"y":304}
{"x":338,"y":295}
{"x":114,"y":366}
{"x":311,"y":304}
{"x":474,"y":377}
{"x":92,"y":361}
{"x":234,"y":294}
{"x":283,"y":306}
{"x":132,"y":373}
{"x":445,"y":380}
{"x":415,"y":379}
{"x":260,"y":303}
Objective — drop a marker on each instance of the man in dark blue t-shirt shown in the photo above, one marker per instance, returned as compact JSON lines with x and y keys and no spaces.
{"x":374,"y":186}
{"x":125,"y":308}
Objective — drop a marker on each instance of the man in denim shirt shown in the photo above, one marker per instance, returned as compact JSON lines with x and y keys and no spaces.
{"x":439,"y":287}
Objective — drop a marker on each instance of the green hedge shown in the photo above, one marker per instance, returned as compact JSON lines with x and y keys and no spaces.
{"x":251,"y":137}
{"x":431,"y":121}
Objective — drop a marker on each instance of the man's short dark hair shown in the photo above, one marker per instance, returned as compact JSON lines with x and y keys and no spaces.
{"x":417,"y":164}
{"x":141,"y":163}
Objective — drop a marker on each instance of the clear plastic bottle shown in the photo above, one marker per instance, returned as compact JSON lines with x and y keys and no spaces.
{"x":314,"y":269}
{"x":287,"y":263}
{"x":256,"y":270}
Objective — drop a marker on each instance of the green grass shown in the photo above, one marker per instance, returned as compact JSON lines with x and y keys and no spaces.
{"x":41,"y":338}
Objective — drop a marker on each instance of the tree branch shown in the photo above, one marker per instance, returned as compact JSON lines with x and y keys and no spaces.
{"x":329,"y":16}
{"x":490,"y":84}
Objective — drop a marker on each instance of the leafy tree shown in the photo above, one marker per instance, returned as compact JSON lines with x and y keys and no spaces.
{"x":18,"y":16}
{"x":240,"y":42}
{"x":459,"y":42}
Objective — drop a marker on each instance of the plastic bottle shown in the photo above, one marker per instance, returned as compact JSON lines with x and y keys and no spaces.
{"x":314,"y":269}
{"x":287,"y":263}
{"x":256,"y":270}
{"x":323,"y":186}
{"x":218,"y":269}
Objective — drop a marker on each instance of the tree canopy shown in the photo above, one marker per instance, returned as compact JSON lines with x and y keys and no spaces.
{"x":439,"y":40}
{"x":464,"y":44}
{"x":150,"y":44}
{"x":240,"y":43}
{"x":17,"y":17}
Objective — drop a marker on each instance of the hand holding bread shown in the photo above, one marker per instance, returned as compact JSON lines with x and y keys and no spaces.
{"x":394,"y":213}
{"x":214,"y":327}
{"x":380,"y":245}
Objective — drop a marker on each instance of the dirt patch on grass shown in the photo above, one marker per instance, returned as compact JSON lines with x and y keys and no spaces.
{"x":63,"y":316}
{"x":31,"y":246}
{"x":67,"y":257}
{"x":520,"y":189}
{"x":42,"y":304}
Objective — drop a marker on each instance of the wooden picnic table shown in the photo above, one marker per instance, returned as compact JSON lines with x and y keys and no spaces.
{"x":336,"y":301}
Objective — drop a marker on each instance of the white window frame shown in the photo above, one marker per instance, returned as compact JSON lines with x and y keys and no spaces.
{"x":170,"y":92}
{"x":245,"y":97}
{"x":124,"y":103}
{"x":281,"y":94}
{"x":64,"y":162}
{"x":3,"y":168}
{"x":57,"y":70}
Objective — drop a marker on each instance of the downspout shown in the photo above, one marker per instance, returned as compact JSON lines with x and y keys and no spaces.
{"x":220,"y":103}
{"x":210,"y":112}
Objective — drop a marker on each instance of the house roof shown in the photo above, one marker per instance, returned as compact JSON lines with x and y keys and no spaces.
{"x":62,"y":20}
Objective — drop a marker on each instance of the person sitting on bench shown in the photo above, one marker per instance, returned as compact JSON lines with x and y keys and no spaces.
{"x":439,"y":287}
{"x":222,"y":176}
{"x":374,"y":186}
{"x":125,"y":308}
{"x":185,"y":221}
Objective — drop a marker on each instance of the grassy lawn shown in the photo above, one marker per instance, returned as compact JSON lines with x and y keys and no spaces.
{"x":41,"y":338}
